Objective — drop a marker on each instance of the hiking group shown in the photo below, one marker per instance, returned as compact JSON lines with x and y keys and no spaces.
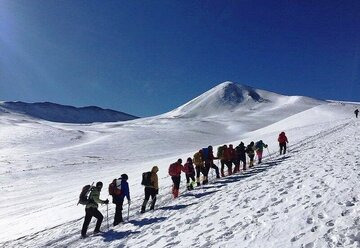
{"x":201,"y":163}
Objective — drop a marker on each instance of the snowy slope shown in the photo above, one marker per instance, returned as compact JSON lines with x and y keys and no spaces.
{"x":67,"y":114}
{"x":308,"y":198}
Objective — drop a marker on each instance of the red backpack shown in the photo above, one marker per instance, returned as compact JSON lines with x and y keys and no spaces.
{"x":173,"y":171}
{"x":114,"y":189}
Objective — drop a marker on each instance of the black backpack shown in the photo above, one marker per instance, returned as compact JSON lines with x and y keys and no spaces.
{"x":85,"y":193}
{"x":146,"y":179}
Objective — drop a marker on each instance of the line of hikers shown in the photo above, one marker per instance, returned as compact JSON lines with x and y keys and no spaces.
{"x":203,"y":161}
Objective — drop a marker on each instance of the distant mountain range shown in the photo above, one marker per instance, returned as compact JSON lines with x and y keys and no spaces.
{"x":66,"y":114}
{"x":229,"y":100}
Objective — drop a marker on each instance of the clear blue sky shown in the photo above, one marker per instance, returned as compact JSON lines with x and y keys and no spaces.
{"x":147,"y":57}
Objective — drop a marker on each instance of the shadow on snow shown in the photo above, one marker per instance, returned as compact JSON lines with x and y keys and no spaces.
{"x":112,"y":235}
{"x":176,"y":207}
{"x":146,"y":221}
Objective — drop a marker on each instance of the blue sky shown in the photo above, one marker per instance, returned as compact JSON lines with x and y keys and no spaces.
{"x":148,"y":57}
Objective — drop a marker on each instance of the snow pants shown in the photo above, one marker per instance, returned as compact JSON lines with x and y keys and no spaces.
{"x":149,"y":191}
{"x":282,"y":148}
{"x":118,"y":211}
{"x":259,"y":154}
{"x":176,"y":185}
{"x":89,"y":213}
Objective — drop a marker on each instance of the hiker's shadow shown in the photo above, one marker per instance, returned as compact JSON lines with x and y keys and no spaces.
{"x":176,"y":207}
{"x":112,"y":235}
{"x":199,"y":195}
{"x":147,"y":221}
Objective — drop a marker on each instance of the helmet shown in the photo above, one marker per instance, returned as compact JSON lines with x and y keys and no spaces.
{"x":124,"y":177}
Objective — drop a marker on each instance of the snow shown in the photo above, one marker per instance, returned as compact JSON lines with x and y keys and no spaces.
{"x":307,"y":198}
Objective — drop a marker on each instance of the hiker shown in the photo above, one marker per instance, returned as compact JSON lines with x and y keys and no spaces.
{"x":190,"y":173}
{"x":232,"y":159}
{"x":236,"y":160}
{"x":123,"y":185}
{"x":208,"y":157}
{"x":199,"y":166}
{"x":91,"y":209}
{"x":175,"y":173}
{"x":151,"y":189}
{"x":259,"y":147}
{"x":250,"y":150}
{"x":241,"y":156}
{"x":356,"y":112}
{"x":220,"y":155}
{"x":282,"y":142}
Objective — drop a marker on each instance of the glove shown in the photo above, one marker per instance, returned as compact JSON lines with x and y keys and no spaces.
{"x":106,"y":201}
{"x":157,"y":191}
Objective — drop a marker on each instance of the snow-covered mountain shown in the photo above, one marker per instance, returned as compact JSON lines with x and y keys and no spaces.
{"x":65,"y":114}
{"x":229,"y":99}
{"x":308,"y":198}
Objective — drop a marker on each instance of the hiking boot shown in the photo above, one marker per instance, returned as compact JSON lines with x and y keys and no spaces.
{"x":98,"y":232}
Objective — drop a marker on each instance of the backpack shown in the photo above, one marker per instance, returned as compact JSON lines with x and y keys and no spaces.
{"x":85,"y":193}
{"x":114,"y":189}
{"x":220,"y":152}
{"x":173,"y":170}
{"x":146,"y":179}
{"x":205,"y":153}
{"x":258,"y":145}
{"x":197,"y":158}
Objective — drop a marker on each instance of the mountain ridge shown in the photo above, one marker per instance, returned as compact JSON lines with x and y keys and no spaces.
{"x":65,"y":113}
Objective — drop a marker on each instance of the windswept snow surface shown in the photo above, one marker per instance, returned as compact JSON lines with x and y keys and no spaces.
{"x":307,"y":198}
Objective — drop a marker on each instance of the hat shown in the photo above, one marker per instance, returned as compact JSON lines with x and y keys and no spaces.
{"x":179,"y":160}
{"x":99,"y":185}
{"x":124,"y":177}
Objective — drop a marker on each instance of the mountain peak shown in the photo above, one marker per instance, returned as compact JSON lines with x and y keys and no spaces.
{"x":229,"y":98}
{"x":234,"y":93}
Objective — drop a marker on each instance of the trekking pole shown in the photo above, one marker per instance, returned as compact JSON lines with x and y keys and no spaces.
{"x":268,"y":152}
{"x":107,"y":215}
{"x":128,"y":211}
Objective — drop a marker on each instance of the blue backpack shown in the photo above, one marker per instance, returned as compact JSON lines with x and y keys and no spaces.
{"x":205,"y":153}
